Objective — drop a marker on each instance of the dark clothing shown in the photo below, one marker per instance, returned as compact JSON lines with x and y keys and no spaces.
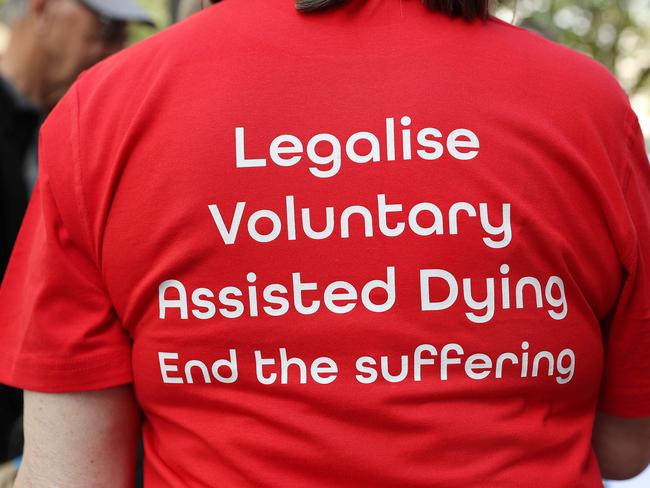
{"x":19,"y":122}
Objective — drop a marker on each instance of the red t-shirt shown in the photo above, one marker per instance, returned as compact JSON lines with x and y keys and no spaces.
{"x":367,"y":247}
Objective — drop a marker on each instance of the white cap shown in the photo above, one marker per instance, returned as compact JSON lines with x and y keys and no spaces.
{"x":127,"y":10}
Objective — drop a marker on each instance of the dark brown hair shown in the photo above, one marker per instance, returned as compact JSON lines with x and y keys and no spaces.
{"x":469,"y":9}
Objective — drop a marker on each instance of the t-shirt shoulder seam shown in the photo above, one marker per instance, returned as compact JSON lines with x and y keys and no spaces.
{"x":625,"y":183}
{"x":627,"y":145}
{"x":497,"y":20}
{"x":77,"y":170}
{"x":90,"y":363}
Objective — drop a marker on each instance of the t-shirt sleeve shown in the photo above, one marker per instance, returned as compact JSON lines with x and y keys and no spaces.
{"x":58,"y":329}
{"x":626,"y":381}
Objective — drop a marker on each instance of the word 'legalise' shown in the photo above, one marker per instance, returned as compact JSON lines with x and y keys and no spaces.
{"x":287,"y":149}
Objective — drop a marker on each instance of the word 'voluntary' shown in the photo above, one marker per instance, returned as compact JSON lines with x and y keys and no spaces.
{"x":387,"y":219}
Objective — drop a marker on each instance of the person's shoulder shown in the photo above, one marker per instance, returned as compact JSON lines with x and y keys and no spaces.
{"x":546,"y":63}
{"x":165,"y":49}
{"x":567,"y":90}
{"x":539,"y":47}
{"x":549,"y":55}
{"x":113,"y":93}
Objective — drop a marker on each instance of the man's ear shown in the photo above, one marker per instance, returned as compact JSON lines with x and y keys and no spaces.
{"x":40,"y":12}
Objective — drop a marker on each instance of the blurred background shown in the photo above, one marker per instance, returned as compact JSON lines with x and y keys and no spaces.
{"x":614,"y":32}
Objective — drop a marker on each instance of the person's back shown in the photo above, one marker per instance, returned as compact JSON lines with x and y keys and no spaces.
{"x":370,"y":246}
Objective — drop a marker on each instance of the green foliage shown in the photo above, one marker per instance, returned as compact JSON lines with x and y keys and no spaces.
{"x":160,"y":11}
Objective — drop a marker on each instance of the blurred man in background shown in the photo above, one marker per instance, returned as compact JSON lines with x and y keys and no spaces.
{"x":51,"y":42}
